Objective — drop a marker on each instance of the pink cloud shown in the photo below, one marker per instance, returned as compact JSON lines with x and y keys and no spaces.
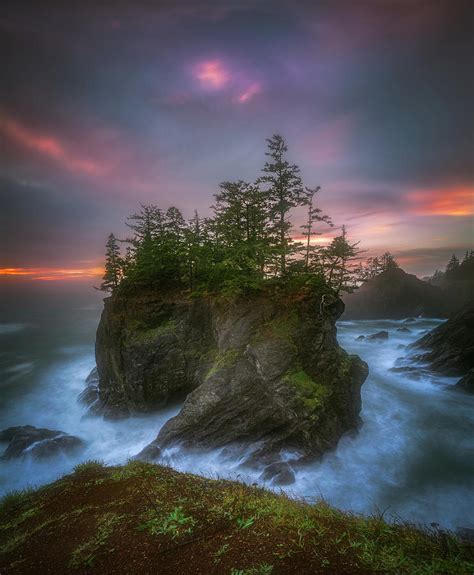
{"x":253,"y":90}
{"x":449,"y":201}
{"x":212,"y":74}
{"x":50,"y":147}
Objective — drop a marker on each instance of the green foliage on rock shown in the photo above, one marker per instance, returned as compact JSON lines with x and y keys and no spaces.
{"x":310,"y":392}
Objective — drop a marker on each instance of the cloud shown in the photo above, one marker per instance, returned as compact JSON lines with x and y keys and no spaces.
{"x":49,"y":147}
{"x":212,"y":74}
{"x":249,"y":93}
{"x":450,"y":201}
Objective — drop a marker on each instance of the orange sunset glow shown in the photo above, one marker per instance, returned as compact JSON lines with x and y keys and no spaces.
{"x":449,"y":202}
{"x":51,"y":274}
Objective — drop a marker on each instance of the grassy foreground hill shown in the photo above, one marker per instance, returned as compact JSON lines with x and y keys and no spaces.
{"x":142,"y":518}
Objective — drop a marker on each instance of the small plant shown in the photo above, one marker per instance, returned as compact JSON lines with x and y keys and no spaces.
{"x":14,"y":499}
{"x":245,"y":523}
{"x":223,"y":549}
{"x":175,"y":524}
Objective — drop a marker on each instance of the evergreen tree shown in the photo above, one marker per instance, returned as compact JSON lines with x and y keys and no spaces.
{"x":240,"y":220}
{"x":388,"y":262}
{"x":341,"y":270}
{"x":452,"y":268}
{"x":314,"y":215}
{"x":113,"y":266}
{"x":285,"y":192}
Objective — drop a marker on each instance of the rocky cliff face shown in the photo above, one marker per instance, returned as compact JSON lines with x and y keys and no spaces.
{"x":264,"y":372}
{"x":451,"y":346}
{"x":394,"y":294}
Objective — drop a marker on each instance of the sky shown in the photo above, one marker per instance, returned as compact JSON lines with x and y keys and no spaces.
{"x":104,"y":106}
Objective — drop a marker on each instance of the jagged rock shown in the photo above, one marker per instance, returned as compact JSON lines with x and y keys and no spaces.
{"x":279,"y":473}
{"x":379,"y":336}
{"x":90,"y":394}
{"x":404,"y":329}
{"x":257,"y":371}
{"x":37,"y":443}
{"x":451,"y":344}
{"x":151,"y":352}
{"x":466,"y":383}
{"x":93,"y":377}
{"x":278,"y":380}
{"x":394,"y":294}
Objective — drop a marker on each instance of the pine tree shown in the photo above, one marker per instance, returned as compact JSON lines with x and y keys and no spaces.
{"x":388,"y":262}
{"x":285,"y":192}
{"x":240,"y":221}
{"x":341,"y":270}
{"x":452,"y":268}
{"x":113,"y":266}
{"x":313,"y":215}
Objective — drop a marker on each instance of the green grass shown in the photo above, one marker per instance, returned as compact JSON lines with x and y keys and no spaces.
{"x":176,"y":523}
{"x":89,"y":465}
{"x":239,"y":528}
{"x":15,"y":499}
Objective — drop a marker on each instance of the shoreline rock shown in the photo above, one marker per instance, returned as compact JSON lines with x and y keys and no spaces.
{"x":257,"y":372}
{"x":450,"y":346}
{"x":37,"y":443}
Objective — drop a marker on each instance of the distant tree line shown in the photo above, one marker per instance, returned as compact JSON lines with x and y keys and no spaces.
{"x":456,"y":270}
{"x":248,"y":240}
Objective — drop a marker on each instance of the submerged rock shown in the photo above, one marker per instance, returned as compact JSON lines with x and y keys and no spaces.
{"x":394,"y":294}
{"x":379,"y":336}
{"x":360,"y":338}
{"x":450,"y":345}
{"x":404,"y":329}
{"x":411,"y":372}
{"x":279,"y":473}
{"x":37,"y":443}
{"x":261,"y":372}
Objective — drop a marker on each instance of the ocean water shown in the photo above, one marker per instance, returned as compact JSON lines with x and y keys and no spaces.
{"x":412,"y":458}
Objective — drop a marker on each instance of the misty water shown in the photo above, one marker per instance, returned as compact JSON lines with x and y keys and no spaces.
{"x":412,"y":456}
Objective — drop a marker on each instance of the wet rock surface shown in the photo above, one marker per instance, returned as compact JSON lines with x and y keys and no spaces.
{"x":37,"y":443}
{"x":450,"y":347}
{"x":379,"y":336}
{"x":279,"y":473}
{"x":254,"y":371}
